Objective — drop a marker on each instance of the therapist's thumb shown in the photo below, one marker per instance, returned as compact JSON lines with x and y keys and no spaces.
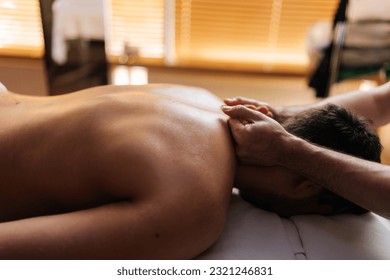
{"x":241,"y":112}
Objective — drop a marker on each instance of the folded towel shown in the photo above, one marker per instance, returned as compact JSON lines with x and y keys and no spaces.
{"x":356,"y":57}
{"x":367,"y":35}
{"x":359,"y":10}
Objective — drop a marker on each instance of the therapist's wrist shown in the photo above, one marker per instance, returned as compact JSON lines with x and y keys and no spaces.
{"x":289,"y":151}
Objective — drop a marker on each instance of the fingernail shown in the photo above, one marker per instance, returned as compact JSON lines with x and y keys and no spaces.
{"x":225,"y":108}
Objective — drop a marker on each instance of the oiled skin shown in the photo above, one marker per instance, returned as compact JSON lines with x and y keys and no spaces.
{"x":134,"y":172}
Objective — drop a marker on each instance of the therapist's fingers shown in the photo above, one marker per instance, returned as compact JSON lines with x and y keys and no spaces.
{"x":265,"y":110}
{"x":243,"y":113}
{"x":262,"y":109}
{"x":243,"y":101}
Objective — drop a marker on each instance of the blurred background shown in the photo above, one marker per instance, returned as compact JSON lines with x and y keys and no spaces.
{"x":285,"y":52}
{"x":57,"y":46}
{"x":266,"y":49}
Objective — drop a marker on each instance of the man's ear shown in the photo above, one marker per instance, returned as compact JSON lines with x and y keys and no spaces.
{"x":306,"y":188}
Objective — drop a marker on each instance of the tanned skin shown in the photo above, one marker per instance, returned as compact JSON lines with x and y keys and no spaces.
{"x":134,"y":172}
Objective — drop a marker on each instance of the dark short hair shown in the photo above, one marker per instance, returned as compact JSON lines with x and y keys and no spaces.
{"x":338,"y":129}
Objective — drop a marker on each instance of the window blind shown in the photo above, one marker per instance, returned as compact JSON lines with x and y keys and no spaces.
{"x":21,"y":28}
{"x":139,"y":25}
{"x":266,"y":35}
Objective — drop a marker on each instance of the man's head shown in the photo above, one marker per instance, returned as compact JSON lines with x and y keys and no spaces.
{"x":278,"y":189}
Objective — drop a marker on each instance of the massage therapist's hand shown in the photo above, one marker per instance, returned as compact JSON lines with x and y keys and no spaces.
{"x":258,"y":137}
{"x":278,"y":113}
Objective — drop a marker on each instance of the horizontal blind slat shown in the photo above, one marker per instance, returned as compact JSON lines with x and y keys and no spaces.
{"x":138,"y":23}
{"x":20,"y":28}
{"x":258,"y":32}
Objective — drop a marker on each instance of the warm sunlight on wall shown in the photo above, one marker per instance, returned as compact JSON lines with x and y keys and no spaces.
{"x":259,"y":35}
{"x":20,"y":28}
{"x":139,"y":25}
{"x":265,"y":35}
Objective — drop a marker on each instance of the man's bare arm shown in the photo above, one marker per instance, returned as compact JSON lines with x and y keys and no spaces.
{"x":122,"y":230}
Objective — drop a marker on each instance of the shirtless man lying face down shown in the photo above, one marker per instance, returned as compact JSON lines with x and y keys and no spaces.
{"x":134,"y":172}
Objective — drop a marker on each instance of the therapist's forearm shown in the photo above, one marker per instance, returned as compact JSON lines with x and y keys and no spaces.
{"x":365,"y":183}
{"x":373,"y":104}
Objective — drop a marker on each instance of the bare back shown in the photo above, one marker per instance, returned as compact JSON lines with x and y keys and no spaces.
{"x":164,"y":151}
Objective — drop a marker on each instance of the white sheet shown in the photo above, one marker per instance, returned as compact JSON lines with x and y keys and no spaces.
{"x":3,"y":89}
{"x":344,"y":237}
{"x":252,"y":233}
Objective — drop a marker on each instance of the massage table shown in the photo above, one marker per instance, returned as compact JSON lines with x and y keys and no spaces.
{"x":252,"y":233}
